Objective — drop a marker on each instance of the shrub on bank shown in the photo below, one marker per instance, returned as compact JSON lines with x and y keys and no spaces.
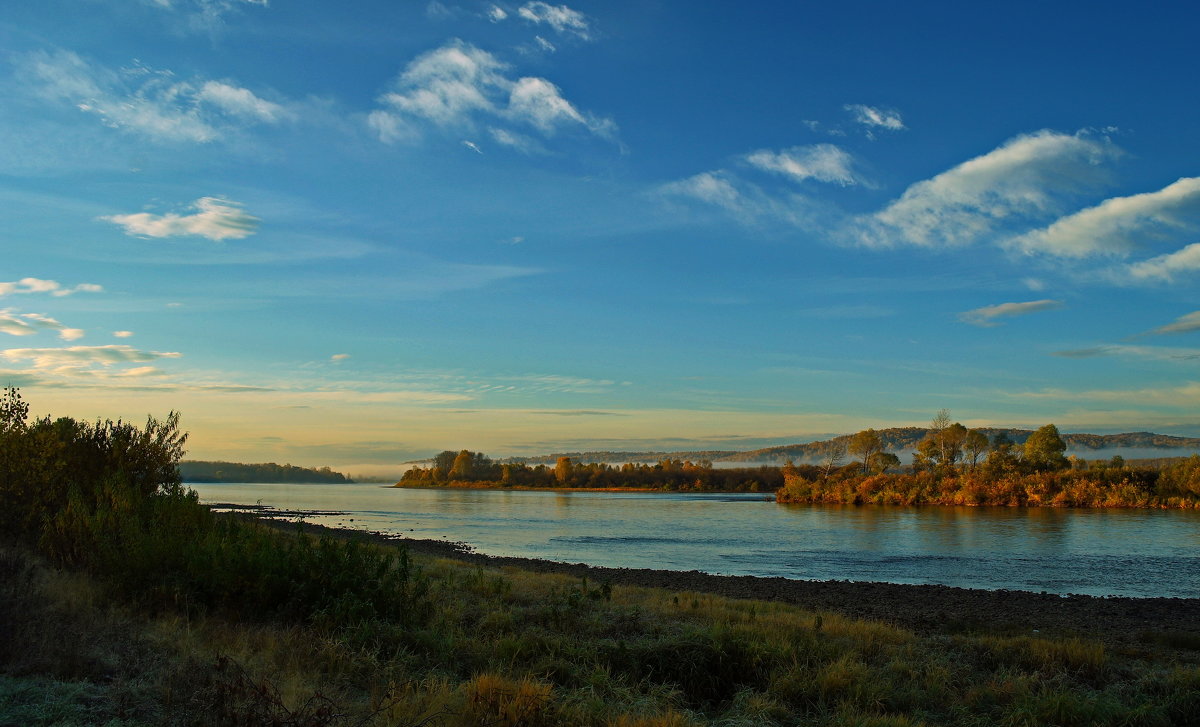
{"x":1175,"y":487}
{"x":106,"y":497}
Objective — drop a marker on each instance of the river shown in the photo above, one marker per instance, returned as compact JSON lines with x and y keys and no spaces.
{"x":1139,"y":553}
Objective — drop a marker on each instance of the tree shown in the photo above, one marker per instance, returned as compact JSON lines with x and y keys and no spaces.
{"x":974,"y":445}
{"x":866,"y":444}
{"x":832,"y":454}
{"x":1044,"y":449}
{"x":885,"y":461}
{"x":943,"y":445}
{"x":941,"y":422}
{"x":461,"y":468}
{"x":562,"y":470}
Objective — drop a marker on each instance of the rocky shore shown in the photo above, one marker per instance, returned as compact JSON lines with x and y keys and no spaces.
{"x":923,"y":608}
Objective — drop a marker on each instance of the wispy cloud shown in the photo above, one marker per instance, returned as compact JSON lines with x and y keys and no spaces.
{"x":74,"y":357}
{"x":1022,"y":180}
{"x":821,"y":162}
{"x":496,"y":14}
{"x":1185,"y":396}
{"x":206,"y":15}
{"x":457,"y":85}
{"x":145,"y":101}
{"x":987,"y":315}
{"x":215,"y":218}
{"x":559,"y":17}
{"x":1154,"y":353}
{"x":53,"y":287}
{"x":1187,"y":323}
{"x":1164,"y":267}
{"x":713,"y":188}
{"x":123,"y":334}
{"x":876,"y":118}
{"x":27,"y":324}
{"x":1119,"y":225}
{"x":241,"y":102}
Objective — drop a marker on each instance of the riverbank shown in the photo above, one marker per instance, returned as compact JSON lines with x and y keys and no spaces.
{"x":1137,"y":622}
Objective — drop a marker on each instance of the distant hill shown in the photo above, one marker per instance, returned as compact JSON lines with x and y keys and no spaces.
{"x":621,"y":457}
{"x":905,"y":439}
{"x":201,"y":471}
{"x":899,"y":440}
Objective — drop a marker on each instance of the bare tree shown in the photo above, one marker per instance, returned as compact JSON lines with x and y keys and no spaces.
{"x":833,"y":453}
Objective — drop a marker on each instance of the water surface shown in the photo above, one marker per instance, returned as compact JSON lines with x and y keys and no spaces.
{"x":1138,"y":553}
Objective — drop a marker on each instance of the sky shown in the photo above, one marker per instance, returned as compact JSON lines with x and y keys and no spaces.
{"x":359,"y":233}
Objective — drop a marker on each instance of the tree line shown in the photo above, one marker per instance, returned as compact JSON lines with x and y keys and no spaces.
{"x":954,"y":465}
{"x":204,"y":471}
{"x":474,"y":468}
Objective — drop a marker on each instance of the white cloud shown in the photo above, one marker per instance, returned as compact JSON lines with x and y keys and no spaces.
{"x":1021,"y":180}
{"x":145,"y":101}
{"x":822,"y":162}
{"x":560,"y":17}
{"x":216,"y":219}
{"x":241,"y":102}
{"x":53,"y":287}
{"x":544,"y":44}
{"x":456,"y":85}
{"x":448,"y":85}
{"x":1118,"y":225}
{"x":987,"y":315}
{"x":520,"y":142}
{"x":873,"y":117}
{"x":75,"y":357}
{"x":1187,"y":323}
{"x":472,"y":146}
{"x":540,"y":103}
{"x":28,"y":324}
{"x":713,"y":188}
{"x":496,"y":14}
{"x":123,"y":334}
{"x":339,"y":357}
{"x":1166,"y":267}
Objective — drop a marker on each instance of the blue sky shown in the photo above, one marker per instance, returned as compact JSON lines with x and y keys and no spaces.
{"x":358,"y":233}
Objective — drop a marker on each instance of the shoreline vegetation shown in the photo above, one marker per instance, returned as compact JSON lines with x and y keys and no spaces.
{"x":201,"y":471}
{"x":952,"y":466}
{"x":125,"y":602}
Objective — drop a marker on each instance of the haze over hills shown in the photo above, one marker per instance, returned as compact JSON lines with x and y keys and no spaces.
{"x":898,"y":440}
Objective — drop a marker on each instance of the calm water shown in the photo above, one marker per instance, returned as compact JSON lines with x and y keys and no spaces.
{"x":1096,"y":552}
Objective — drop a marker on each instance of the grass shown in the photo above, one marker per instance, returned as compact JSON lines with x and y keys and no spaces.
{"x":510,"y":647}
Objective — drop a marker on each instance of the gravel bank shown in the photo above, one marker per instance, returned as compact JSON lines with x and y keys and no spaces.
{"x":925,"y":609}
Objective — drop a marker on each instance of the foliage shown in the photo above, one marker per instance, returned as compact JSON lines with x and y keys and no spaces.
{"x":472,"y":468}
{"x":107,"y":498}
{"x":202,"y":471}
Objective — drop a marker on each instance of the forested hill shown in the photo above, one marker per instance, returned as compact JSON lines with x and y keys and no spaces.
{"x":199,"y":471}
{"x":905,"y":439}
{"x":623,"y":457}
{"x":899,"y":440}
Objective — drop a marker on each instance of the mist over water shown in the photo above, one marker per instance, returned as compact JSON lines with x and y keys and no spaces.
{"x":1139,"y":553}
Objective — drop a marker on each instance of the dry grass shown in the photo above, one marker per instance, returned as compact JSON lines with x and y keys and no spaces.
{"x":510,"y":647}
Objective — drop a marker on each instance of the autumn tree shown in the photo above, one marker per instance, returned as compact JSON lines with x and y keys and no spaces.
{"x":974,"y":445}
{"x":562,"y":470}
{"x":1044,"y":449}
{"x":867,"y":444}
{"x":885,"y":461}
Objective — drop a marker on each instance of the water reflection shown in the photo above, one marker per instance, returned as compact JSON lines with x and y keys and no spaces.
{"x":1099,"y":552}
